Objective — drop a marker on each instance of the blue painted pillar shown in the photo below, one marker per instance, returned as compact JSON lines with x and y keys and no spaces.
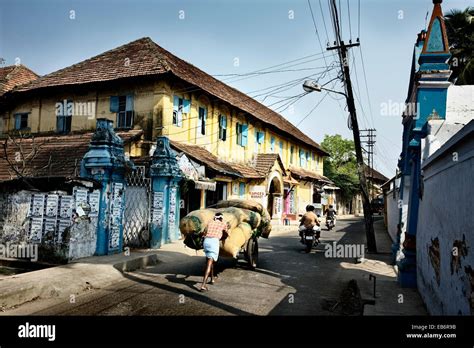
{"x":166,"y":176}
{"x":432,"y":83}
{"x":407,"y":264}
{"x":105,"y":163}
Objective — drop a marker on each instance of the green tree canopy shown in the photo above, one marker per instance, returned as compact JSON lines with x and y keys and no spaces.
{"x":341,"y":165}
{"x":460,"y":30}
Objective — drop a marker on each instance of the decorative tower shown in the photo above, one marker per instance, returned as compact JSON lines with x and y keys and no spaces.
{"x":431,"y":93}
{"x":165,"y":175}
{"x":105,"y":162}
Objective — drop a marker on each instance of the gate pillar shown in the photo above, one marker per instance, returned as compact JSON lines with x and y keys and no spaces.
{"x":165,"y":175}
{"x":105,"y":162}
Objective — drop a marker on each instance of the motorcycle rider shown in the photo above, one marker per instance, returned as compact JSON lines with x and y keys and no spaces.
{"x":308,"y":221}
{"x":330,"y":214}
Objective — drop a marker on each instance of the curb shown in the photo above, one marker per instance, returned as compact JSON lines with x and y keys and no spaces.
{"x":71,"y":279}
{"x":137,"y":263}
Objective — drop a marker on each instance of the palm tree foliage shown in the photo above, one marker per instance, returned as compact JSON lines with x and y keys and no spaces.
{"x":460,"y":30}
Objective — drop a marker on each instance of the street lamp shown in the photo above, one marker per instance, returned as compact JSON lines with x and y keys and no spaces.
{"x":313,"y":86}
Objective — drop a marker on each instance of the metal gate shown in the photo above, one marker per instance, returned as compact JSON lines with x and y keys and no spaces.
{"x":136,"y":231}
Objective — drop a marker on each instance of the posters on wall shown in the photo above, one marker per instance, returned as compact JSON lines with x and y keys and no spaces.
{"x":80,"y":196}
{"x":37,"y":205}
{"x":292,"y":202}
{"x":49,"y":229}
{"x":172,"y":212}
{"x":52,"y":203}
{"x":94,"y":201}
{"x":51,"y":214}
{"x":114,"y":237}
{"x":116,"y":215}
{"x":65,"y":207}
{"x":62,"y":225}
{"x":36,"y":229}
{"x":157,"y":209}
{"x":277,"y":206}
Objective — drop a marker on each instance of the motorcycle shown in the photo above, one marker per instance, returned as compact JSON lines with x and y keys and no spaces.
{"x":311,"y":238}
{"x":330,"y":223}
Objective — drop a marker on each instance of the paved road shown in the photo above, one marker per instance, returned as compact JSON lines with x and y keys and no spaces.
{"x":287,"y":282}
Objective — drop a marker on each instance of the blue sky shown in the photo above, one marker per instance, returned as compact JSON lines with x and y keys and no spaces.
{"x":214,"y":35}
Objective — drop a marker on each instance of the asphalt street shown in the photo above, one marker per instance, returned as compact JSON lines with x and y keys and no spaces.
{"x":286,"y":282}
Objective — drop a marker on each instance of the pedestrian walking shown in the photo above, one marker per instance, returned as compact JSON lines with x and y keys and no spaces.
{"x":213,"y":234}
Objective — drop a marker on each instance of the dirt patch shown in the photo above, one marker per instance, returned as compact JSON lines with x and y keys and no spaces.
{"x":433,"y":252}
{"x":470,"y":273}
{"x":349,"y":303}
{"x":459,"y":250}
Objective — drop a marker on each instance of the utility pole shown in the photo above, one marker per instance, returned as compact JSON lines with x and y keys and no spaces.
{"x":342,"y":49}
{"x":369,"y":140}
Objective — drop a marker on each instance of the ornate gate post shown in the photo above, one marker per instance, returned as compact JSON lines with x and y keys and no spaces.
{"x":165,"y":175}
{"x":105,"y":162}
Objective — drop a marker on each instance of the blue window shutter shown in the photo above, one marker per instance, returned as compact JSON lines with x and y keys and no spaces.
{"x":186,"y":106}
{"x":242,"y":189}
{"x":245,"y":129}
{"x":114,"y":104}
{"x":17,"y":121}
{"x":60,"y":124}
{"x":175,"y":103}
{"x":281,"y":147}
{"x":260,"y":137}
{"x":129,"y":103}
{"x":272,"y":144}
{"x":224,"y":120}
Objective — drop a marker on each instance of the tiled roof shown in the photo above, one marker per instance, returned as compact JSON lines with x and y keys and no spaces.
{"x":375,"y":175}
{"x":201,"y":155}
{"x":144,"y":57}
{"x":15,"y":75}
{"x":265,"y":161}
{"x":308,"y":175}
{"x":56,"y":155}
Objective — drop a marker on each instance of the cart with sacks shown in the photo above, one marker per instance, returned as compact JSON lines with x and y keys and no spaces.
{"x":247,"y":221}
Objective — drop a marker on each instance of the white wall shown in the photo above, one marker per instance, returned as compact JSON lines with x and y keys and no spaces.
{"x":447,"y":213}
{"x":393,"y":213}
{"x":459,"y":111}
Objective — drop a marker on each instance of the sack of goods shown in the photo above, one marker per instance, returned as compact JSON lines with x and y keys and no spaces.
{"x":245,"y":218}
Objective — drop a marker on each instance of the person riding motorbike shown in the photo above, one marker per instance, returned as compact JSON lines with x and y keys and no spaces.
{"x":330,"y":214}
{"x":309,"y":221}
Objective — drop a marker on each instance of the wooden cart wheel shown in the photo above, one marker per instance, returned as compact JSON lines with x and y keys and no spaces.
{"x":252,"y":252}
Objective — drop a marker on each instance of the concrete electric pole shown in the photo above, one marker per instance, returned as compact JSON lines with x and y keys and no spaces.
{"x":342,"y":50}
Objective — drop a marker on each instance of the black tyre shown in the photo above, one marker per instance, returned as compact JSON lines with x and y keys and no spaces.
{"x":252,"y":253}
{"x":309,"y":245}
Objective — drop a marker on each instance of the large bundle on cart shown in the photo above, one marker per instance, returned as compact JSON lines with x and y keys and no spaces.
{"x":264,"y":227}
{"x":244,"y":224}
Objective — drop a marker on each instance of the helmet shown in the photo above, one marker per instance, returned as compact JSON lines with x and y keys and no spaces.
{"x":310,"y":207}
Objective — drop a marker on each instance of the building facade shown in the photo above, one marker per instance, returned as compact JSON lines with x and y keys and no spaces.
{"x":230,"y":145}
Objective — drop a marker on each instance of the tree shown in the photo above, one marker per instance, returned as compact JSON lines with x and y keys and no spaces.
{"x":341,"y":165}
{"x":19,"y":155}
{"x":460,"y":30}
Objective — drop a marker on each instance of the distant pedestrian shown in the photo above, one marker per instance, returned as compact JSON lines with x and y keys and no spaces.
{"x":213,"y":234}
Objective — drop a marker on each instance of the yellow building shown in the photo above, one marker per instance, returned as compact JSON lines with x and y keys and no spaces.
{"x":231,"y":145}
